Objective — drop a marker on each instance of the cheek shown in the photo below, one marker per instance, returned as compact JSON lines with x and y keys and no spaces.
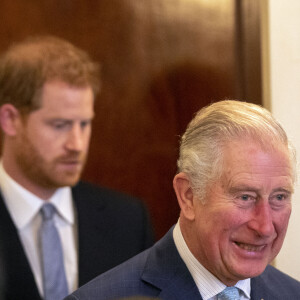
{"x":41,"y":137}
{"x":229,"y":217}
{"x":281,"y":221}
{"x":46,"y":147}
{"x":227,"y":225}
{"x":87,"y":138}
{"x":218,"y":225}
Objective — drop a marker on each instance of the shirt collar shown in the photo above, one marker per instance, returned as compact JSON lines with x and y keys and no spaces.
{"x":208,"y":285}
{"x":23,"y":205}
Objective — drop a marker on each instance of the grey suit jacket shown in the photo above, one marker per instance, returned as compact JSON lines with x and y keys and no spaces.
{"x":112,"y":227}
{"x":160,"y":272}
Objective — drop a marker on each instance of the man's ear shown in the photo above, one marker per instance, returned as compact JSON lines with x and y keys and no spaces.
{"x":185,"y":195}
{"x":9,"y":116}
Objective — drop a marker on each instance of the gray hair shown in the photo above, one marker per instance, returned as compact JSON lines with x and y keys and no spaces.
{"x":201,"y":146}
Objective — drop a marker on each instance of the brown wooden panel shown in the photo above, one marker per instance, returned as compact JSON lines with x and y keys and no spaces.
{"x":161,"y":61}
{"x":248,"y":56}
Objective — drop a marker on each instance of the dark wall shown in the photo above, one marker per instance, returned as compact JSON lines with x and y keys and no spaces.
{"x":161,"y":61}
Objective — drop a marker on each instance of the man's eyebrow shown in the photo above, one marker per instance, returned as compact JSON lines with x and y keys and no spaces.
{"x":289,"y":190}
{"x":244,"y":187}
{"x":52,"y":120}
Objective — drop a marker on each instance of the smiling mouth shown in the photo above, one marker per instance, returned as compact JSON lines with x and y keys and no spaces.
{"x":250,"y":248}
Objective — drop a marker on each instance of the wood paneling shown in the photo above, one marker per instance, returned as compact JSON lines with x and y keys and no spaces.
{"x":161,"y":61}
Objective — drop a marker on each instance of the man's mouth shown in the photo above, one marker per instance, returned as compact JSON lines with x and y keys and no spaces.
{"x":72,"y":165}
{"x":250,"y":247}
{"x":71,"y":162}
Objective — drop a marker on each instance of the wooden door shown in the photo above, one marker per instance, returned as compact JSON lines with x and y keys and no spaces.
{"x":162,"y":60}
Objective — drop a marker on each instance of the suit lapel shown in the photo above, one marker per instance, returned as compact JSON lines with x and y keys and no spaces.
{"x":166,"y":270}
{"x":91,"y":231}
{"x":259,"y":290}
{"x":19,"y":281}
{"x":270,"y":286}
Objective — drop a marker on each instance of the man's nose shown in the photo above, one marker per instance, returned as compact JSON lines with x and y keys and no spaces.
{"x":75,"y":139}
{"x":262,"y":221}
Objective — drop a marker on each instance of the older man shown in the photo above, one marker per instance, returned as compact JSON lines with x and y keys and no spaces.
{"x":56,"y":233}
{"x":234,"y":188}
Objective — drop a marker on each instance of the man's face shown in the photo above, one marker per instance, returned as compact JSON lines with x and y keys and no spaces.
{"x":52,"y":143}
{"x":242,"y":225}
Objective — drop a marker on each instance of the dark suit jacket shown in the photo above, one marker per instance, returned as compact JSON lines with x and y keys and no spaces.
{"x":112,"y":227}
{"x":160,"y":272}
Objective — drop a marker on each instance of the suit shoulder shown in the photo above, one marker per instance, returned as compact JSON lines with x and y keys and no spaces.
{"x":272,"y":273}
{"x":279,"y":281}
{"x":122,"y":215}
{"x":121,"y":281}
{"x":85,"y":191}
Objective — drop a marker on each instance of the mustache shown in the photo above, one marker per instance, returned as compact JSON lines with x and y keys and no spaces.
{"x":72,"y":157}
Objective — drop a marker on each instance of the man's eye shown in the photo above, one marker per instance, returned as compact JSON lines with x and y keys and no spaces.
{"x":278,"y":201}
{"x":59,"y":125}
{"x":246,"y":197}
{"x":245,"y":200}
{"x":281,"y":197}
{"x":83,"y":124}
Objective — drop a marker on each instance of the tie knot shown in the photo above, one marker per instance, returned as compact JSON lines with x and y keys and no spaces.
{"x":48,"y":211}
{"x":230,"y":293}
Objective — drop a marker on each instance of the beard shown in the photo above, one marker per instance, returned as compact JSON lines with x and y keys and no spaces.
{"x":44,"y":173}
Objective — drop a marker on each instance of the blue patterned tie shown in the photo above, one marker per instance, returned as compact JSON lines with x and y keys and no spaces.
{"x":230,"y":293}
{"x":54,"y":277}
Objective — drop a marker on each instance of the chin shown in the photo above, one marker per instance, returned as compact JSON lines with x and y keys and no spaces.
{"x":71,"y":182}
{"x":67,"y":181}
{"x":251,"y":271}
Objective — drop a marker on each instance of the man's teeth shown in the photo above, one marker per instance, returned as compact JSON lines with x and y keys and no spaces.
{"x":249,"y":247}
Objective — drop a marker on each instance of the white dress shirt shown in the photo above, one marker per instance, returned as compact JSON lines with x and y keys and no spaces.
{"x":24,"y":208}
{"x":208,"y":285}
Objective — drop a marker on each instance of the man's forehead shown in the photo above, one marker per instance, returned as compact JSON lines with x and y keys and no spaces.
{"x":249,"y":156}
{"x":64,"y":101}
